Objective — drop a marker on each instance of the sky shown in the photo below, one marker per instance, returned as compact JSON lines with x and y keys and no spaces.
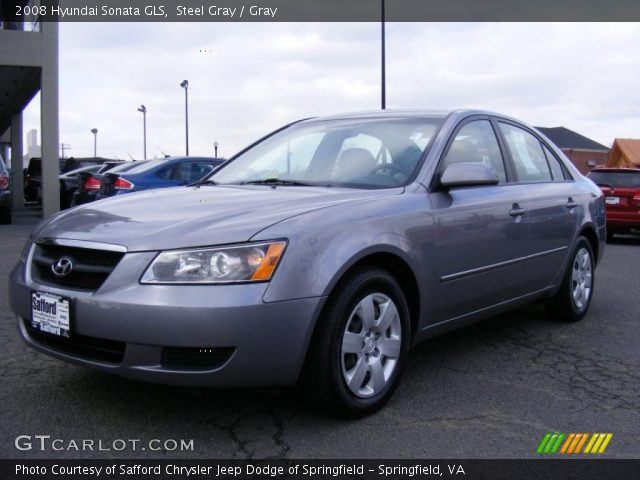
{"x":247,"y":79}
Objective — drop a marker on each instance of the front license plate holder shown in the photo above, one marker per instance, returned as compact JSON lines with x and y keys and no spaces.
{"x":51,"y":314}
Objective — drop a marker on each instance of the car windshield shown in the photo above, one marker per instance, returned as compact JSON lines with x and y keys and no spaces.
{"x":127,"y":166}
{"x":146,"y":166}
{"x":629,"y":179}
{"x":90,"y":169}
{"x":362,"y":153}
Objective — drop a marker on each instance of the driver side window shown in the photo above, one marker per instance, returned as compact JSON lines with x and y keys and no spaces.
{"x":476,"y":142}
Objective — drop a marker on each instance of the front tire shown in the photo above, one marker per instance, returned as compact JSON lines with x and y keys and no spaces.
{"x":360,"y":346}
{"x":572,"y":301}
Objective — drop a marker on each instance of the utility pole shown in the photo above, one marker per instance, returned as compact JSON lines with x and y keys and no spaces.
{"x":95,"y":142}
{"x":63,"y":148}
{"x":185,"y":84}
{"x":143,"y":110}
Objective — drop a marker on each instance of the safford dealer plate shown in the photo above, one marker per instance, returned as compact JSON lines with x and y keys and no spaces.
{"x":51,"y":314}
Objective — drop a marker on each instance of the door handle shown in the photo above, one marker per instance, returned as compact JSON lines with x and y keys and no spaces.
{"x":571,"y":203}
{"x":516,"y":211}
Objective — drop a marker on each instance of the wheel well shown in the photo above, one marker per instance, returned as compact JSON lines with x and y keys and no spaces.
{"x":401,"y":271}
{"x":591,"y":235}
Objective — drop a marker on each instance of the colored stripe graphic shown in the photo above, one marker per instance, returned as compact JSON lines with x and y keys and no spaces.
{"x":604,"y":445}
{"x":567,"y":442}
{"x":581,"y":443}
{"x":551,"y":443}
{"x":598,"y":443}
{"x":555,"y":447}
{"x":543,"y":443}
{"x":573,"y":443}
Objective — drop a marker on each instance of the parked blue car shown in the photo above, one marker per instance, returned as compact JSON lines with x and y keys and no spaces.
{"x":169,"y":172}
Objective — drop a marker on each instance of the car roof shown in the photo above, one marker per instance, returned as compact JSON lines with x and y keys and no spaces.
{"x":408,"y":113}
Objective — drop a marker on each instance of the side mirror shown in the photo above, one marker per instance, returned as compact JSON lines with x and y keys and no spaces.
{"x":469,"y":174}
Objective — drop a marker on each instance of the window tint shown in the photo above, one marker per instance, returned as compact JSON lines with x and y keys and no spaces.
{"x":556,"y":167}
{"x":624,"y":179}
{"x":476,"y":142}
{"x":164,"y":173}
{"x":528,"y":158}
{"x":193,"y":171}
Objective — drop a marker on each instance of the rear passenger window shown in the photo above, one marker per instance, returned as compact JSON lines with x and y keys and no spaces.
{"x":165,"y":173}
{"x":476,"y":142}
{"x":526,"y":151}
{"x":556,"y":167}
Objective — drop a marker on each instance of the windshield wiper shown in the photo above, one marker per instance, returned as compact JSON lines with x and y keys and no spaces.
{"x":276,"y":181}
{"x":203,"y":182}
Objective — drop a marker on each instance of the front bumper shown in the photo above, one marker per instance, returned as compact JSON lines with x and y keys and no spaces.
{"x":267,"y":341}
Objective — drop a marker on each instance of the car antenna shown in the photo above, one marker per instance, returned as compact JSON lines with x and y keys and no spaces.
{"x":132,"y":159}
{"x":163,"y":154}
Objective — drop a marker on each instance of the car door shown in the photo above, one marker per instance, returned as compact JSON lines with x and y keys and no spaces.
{"x":550,"y":201}
{"x":480,"y":232}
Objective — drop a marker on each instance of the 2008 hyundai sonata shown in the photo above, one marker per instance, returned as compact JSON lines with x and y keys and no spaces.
{"x":321,"y":253}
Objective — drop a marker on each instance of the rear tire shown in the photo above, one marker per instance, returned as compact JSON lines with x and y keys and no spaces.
{"x":360,"y":345}
{"x":572,"y":301}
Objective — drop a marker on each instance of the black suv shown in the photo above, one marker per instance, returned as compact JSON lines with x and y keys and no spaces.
{"x":5,"y":194}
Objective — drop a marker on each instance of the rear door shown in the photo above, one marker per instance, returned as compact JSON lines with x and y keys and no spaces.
{"x":481,"y":235}
{"x":550,"y":202}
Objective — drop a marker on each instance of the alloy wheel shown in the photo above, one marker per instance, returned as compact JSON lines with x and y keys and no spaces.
{"x":371,"y":345}
{"x":581,"y":278}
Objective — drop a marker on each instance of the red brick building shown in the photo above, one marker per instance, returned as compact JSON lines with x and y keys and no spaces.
{"x":586,"y":154}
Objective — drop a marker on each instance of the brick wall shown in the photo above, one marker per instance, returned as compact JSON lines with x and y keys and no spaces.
{"x":582,"y":158}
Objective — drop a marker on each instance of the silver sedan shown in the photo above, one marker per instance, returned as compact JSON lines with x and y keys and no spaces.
{"x":319,"y":255}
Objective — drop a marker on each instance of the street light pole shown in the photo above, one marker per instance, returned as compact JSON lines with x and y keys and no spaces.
{"x":383,"y":63}
{"x":95,"y":142}
{"x":143,"y":110}
{"x":185,"y":84}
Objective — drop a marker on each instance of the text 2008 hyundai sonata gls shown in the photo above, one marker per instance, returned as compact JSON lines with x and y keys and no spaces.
{"x":320,"y":253}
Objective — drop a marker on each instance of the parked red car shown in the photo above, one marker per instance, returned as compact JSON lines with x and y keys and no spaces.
{"x":621,"y":187}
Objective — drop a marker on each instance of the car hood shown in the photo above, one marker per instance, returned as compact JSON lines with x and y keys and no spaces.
{"x":194,"y":216}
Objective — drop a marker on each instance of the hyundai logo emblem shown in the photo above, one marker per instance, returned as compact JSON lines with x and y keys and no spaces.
{"x":62,"y":267}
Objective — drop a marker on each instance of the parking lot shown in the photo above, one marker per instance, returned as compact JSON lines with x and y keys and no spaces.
{"x":491,"y":390}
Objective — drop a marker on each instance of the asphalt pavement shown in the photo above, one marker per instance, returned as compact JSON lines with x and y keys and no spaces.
{"x":491,"y":390}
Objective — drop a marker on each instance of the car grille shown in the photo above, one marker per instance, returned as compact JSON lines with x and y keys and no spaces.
{"x":184,"y":358}
{"x":87,"y":348}
{"x":90,"y":267}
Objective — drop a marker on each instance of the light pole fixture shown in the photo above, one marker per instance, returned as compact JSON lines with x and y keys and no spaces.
{"x":215,"y":148}
{"x":185,"y":84}
{"x":95,"y":142}
{"x":142,"y":109}
{"x":383,"y":73}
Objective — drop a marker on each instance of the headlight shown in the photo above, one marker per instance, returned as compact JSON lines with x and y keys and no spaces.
{"x":253,"y":262}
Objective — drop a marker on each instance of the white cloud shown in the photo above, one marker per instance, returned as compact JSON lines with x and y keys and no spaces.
{"x":260,"y":76}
